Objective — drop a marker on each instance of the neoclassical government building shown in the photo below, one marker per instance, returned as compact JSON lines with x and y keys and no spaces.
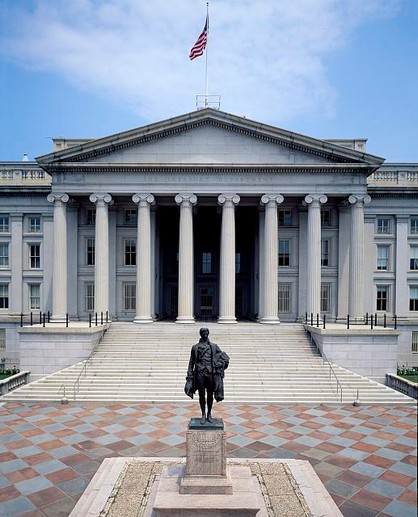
{"x":210,"y":216}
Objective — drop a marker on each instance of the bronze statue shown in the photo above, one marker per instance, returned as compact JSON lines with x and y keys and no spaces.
{"x":205,"y":374}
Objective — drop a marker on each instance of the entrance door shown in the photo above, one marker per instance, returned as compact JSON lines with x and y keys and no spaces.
{"x":206,"y":303}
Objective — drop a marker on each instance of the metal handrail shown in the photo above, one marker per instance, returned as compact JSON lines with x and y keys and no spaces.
{"x":331,"y":369}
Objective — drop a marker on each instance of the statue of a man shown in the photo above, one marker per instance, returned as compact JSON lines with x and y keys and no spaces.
{"x":205,"y":374}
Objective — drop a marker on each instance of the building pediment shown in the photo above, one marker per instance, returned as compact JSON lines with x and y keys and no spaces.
{"x":206,"y":137}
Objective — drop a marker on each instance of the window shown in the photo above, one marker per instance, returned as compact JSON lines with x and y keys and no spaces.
{"x":413,"y":225}
{"x":325,"y":297}
{"x":129,"y":297}
{"x":382,"y":298}
{"x":4,"y":223}
{"x":285,"y":218}
{"x":383,"y":225}
{"x":284,"y":252}
{"x":4,"y":296}
{"x":4,"y":255}
{"x":238,"y":263}
{"x":89,"y":296}
{"x":326,"y":217}
{"x":130,"y":216}
{"x":207,"y":262}
{"x":90,"y":251}
{"x":284,"y":297}
{"x":34,"y":296}
{"x":34,"y":223}
{"x":90,"y":216}
{"x":34,"y":256}
{"x":130,"y":252}
{"x":325,"y":245}
{"x":413,"y":298}
{"x":382,"y":258}
{"x":414,"y":342}
{"x":413,"y":258}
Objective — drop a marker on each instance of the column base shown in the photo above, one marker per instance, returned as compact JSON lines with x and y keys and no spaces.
{"x":227,"y":319}
{"x":143,"y":319}
{"x":270,"y":321}
{"x":58,"y":319}
{"x":185,"y":320}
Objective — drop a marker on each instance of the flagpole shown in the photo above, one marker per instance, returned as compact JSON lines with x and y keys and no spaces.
{"x":206,"y":56}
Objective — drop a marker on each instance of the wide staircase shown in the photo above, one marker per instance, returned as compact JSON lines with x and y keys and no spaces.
{"x":149,"y":363}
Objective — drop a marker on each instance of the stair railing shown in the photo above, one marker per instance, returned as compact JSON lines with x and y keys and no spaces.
{"x":331,"y":369}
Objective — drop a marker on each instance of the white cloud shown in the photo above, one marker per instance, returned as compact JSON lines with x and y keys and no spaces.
{"x":266,"y":57}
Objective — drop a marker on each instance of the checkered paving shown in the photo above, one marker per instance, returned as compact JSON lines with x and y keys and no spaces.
{"x":366,"y":456}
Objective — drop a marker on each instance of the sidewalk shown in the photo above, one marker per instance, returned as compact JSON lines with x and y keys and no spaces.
{"x":366,"y":456}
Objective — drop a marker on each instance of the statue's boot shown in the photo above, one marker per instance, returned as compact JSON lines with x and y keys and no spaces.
{"x":209,"y":418}
{"x":203,"y":419}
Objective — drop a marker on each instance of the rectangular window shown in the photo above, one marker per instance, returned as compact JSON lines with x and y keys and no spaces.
{"x":382,"y":298}
{"x":326,"y":217}
{"x":90,"y":251}
{"x":89,"y":296}
{"x":284,"y":297}
{"x":206,"y":262}
{"x":414,"y":342}
{"x":414,"y":225}
{"x":90,"y":216}
{"x":284,"y":252}
{"x":34,"y":296}
{"x":325,"y":297}
{"x":285,"y":218}
{"x":130,"y":216}
{"x":413,"y":298}
{"x":325,"y":245}
{"x":4,"y":223}
{"x":383,"y":225}
{"x":34,"y":225}
{"x":34,"y":256}
{"x":413,"y":258}
{"x":238,"y":263}
{"x":129,"y":297}
{"x":4,"y":296}
{"x":4,"y":255}
{"x":130,"y":252}
{"x":382,"y":258}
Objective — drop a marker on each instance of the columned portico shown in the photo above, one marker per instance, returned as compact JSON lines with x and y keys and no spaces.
{"x":314,"y":202}
{"x":186,"y":270}
{"x":227,"y":262}
{"x":356,"y":270}
{"x":59,"y":290}
{"x":101,"y":268}
{"x":143,"y":272}
{"x":270,"y":281}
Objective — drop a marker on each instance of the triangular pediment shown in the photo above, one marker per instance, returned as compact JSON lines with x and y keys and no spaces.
{"x":208,"y":137}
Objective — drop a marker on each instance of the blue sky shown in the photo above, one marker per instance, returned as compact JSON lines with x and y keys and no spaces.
{"x":324,"y":68}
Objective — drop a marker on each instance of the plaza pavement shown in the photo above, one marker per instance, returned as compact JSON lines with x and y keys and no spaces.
{"x":366,"y":456}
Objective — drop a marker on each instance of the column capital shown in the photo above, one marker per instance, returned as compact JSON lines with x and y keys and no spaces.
{"x":53,"y":197}
{"x":270,"y":199}
{"x":315,"y":199}
{"x":359,"y":200}
{"x":100,"y":198}
{"x":186,"y":197}
{"x":143,"y":199}
{"x":224,"y":199}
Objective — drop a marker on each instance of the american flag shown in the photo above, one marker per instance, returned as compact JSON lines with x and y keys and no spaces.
{"x":200,"y":45}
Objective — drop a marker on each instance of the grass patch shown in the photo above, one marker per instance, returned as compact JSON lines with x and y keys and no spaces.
{"x":411,"y":378}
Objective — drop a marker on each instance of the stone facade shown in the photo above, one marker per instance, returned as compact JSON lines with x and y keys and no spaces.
{"x":210,"y":216}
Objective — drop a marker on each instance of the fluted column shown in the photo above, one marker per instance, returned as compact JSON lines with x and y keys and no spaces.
{"x":314,"y":202}
{"x":227,"y":271}
{"x":271,"y":263}
{"x":59,"y":289}
{"x":356,"y":270}
{"x":186,"y":274}
{"x":143,"y":258}
{"x":101,"y":267}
